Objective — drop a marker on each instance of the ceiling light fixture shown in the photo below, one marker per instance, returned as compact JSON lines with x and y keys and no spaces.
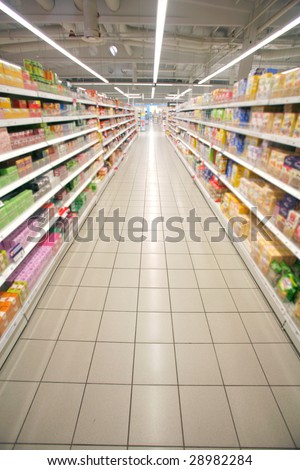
{"x":15,"y":16}
{"x":113,"y":50}
{"x":253,"y":49}
{"x":159,"y":34}
{"x":153,"y":92}
{"x":120,"y":91}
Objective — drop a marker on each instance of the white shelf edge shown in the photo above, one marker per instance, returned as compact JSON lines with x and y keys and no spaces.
{"x":244,"y":104}
{"x":73,"y":117}
{"x":20,"y":122}
{"x":114,"y":116}
{"x":267,"y":289}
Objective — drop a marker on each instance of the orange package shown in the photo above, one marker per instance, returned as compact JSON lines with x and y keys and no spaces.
{"x":10,"y":299}
{"x":4,"y":322}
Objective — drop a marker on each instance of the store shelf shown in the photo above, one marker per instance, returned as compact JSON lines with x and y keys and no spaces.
{"x":114,"y":125}
{"x":45,"y":143}
{"x":29,"y":247}
{"x":20,"y":122}
{"x":282,"y":311}
{"x":130,"y":144}
{"x":16,"y":184}
{"x":263,"y":174}
{"x":117,"y":146}
{"x":49,"y":224}
{"x":44,"y":119}
{"x":32,"y":209}
{"x":106,"y":142}
{"x":243,"y":104}
{"x":79,"y":190}
{"x":173,"y":129}
{"x":69,"y":118}
{"x":291,"y":141}
{"x":295,"y":249}
{"x":58,"y":140}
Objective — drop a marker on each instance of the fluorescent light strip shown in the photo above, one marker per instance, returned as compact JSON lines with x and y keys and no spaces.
{"x":153,"y":92}
{"x":185,"y":92}
{"x":253,"y":49}
{"x":120,"y":91}
{"x":291,"y":70}
{"x":159,"y":34}
{"x":15,"y":16}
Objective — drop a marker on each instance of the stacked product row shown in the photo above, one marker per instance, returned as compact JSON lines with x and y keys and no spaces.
{"x":41,"y":81}
{"x":261,"y":84}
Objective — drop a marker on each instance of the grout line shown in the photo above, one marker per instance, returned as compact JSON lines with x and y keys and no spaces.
{"x":135,"y":331}
{"x":174,"y":342}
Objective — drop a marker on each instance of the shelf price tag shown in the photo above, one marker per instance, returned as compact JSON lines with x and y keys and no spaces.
{"x":17,"y":253}
{"x":63,"y":212}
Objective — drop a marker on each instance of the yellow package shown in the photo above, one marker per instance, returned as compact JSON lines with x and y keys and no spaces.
{"x":268,"y":202}
{"x":242,"y":227}
{"x":264,"y":86}
{"x":296,"y":132}
{"x":5,"y":103}
{"x":277,"y":121}
{"x":252,"y":85}
{"x":236,"y":175}
{"x":267,"y":122}
{"x":268,"y":254}
{"x":278,"y":85}
{"x":225,"y":203}
{"x":288,"y":124}
{"x":290,"y":79}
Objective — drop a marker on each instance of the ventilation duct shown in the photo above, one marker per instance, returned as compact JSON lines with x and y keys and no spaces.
{"x":47,"y":5}
{"x":90,"y":17}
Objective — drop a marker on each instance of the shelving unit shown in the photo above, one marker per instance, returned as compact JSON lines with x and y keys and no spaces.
{"x":263,"y":174}
{"x":289,"y":323}
{"x":19,"y":322}
{"x":125,"y":118}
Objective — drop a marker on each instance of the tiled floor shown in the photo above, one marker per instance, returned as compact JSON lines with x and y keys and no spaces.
{"x":155,"y":343}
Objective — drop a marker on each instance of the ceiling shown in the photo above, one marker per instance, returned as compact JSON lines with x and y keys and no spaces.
{"x":199,"y":37}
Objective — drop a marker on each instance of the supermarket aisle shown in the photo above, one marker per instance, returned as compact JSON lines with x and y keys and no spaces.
{"x":153,"y":344}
